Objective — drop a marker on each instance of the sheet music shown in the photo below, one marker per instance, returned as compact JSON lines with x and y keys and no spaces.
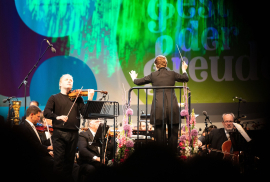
{"x":242,"y":131}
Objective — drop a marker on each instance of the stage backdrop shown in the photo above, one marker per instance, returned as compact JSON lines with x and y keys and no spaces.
{"x":99,"y":42}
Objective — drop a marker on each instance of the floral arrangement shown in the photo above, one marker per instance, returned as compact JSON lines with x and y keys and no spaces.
{"x":125,"y":144}
{"x":188,"y":141}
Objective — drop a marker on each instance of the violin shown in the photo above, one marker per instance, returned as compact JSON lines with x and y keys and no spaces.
{"x":111,"y":132}
{"x":42,"y":128}
{"x":78,"y":92}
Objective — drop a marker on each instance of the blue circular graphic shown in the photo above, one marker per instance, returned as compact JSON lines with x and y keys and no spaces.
{"x":55,"y":18}
{"x":45,"y":81}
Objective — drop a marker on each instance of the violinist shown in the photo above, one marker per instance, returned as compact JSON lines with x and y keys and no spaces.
{"x":33,"y":102}
{"x":45,"y":152}
{"x":43,"y":132}
{"x":65,"y":116}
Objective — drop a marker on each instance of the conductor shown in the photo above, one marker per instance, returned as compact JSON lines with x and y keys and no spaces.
{"x":164,"y":77}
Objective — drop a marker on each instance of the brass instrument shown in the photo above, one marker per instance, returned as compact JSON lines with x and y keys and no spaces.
{"x":16,"y":107}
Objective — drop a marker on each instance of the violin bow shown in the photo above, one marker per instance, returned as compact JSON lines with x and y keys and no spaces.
{"x":48,"y":131}
{"x":74,"y":102}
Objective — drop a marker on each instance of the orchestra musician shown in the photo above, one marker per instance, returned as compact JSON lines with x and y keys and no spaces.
{"x":44,"y":151}
{"x":164,"y":77}
{"x":218,"y":136}
{"x":209,"y":129}
{"x":65,"y":116}
{"x":89,"y":154}
{"x":45,"y":135}
{"x":32,"y":103}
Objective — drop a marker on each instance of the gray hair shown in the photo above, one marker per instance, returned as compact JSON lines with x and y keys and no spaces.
{"x":228,"y":114}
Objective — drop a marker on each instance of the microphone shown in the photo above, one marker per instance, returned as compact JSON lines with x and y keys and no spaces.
{"x":5,"y":100}
{"x":52,"y":48}
{"x":240,"y":99}
{"x":207,"y":117}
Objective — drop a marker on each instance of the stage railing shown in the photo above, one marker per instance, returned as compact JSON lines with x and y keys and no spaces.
{"x":154,"y":98}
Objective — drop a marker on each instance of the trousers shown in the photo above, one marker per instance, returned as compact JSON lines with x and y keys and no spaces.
{"x":64,"y":148}
{"x":172,"y":140}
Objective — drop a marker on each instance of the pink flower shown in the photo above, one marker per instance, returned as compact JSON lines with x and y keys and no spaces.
{"x":184,"y":128}
{"x":129,"y":112}
{"x":192,"y":118}
{"x":129,"y":143}
{"x":194,"y":132}
{"x":180,"y":144}
{"x":126,"y":127}
{"x":184,"y":112}
{"x":129,"y":132}
{"x":183,"y":138}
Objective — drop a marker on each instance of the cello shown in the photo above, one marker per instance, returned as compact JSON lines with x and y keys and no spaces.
{"x":226,"y":151}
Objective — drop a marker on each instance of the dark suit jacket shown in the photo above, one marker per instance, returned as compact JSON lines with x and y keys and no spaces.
{"x":86,"y":150}
{"x":31,"y":136}
{"x":23,"y":120}
{"x":164,"y":77}
{"x":216,"y":138}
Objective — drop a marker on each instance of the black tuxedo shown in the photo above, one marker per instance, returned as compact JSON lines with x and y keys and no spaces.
{"x":33,"y":139}
{"x":86,"y":153}
{"x":23,"y":120}
{"x":216,"y":138}
{"x":86,"y":150}
{"x":164,"y":77}
{"x":46,"y":160}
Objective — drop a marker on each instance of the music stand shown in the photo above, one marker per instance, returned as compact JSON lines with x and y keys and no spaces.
{"x":98,"y":110}
{"x":97,"y":141}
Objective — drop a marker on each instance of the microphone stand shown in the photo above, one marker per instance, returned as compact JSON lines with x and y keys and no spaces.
{"x":9,"y":114}
{"x":26,"y":78}
{"x":103,"y":160}
{"x":206,"y":133}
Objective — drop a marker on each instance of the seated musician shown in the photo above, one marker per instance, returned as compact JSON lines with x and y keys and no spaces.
{"x":45,"y":136}
{"x":31,"y":134}
{"x":210,"y":128}
{"x":89,"y":154}
{"x":32,"y":103}
{"x":143,"y":126}
{"x":218,"y":136}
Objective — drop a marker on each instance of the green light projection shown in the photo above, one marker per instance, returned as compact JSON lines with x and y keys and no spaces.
{"x":128,"y":34}
{"x":208,"y":34}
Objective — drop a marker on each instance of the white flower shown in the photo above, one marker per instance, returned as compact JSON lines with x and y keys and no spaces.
{"x":196,"y":149}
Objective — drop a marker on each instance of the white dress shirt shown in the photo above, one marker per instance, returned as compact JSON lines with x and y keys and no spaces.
{"x":93,"y":133}
{"x":227,"y":134}
{"x":34,"y":128}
